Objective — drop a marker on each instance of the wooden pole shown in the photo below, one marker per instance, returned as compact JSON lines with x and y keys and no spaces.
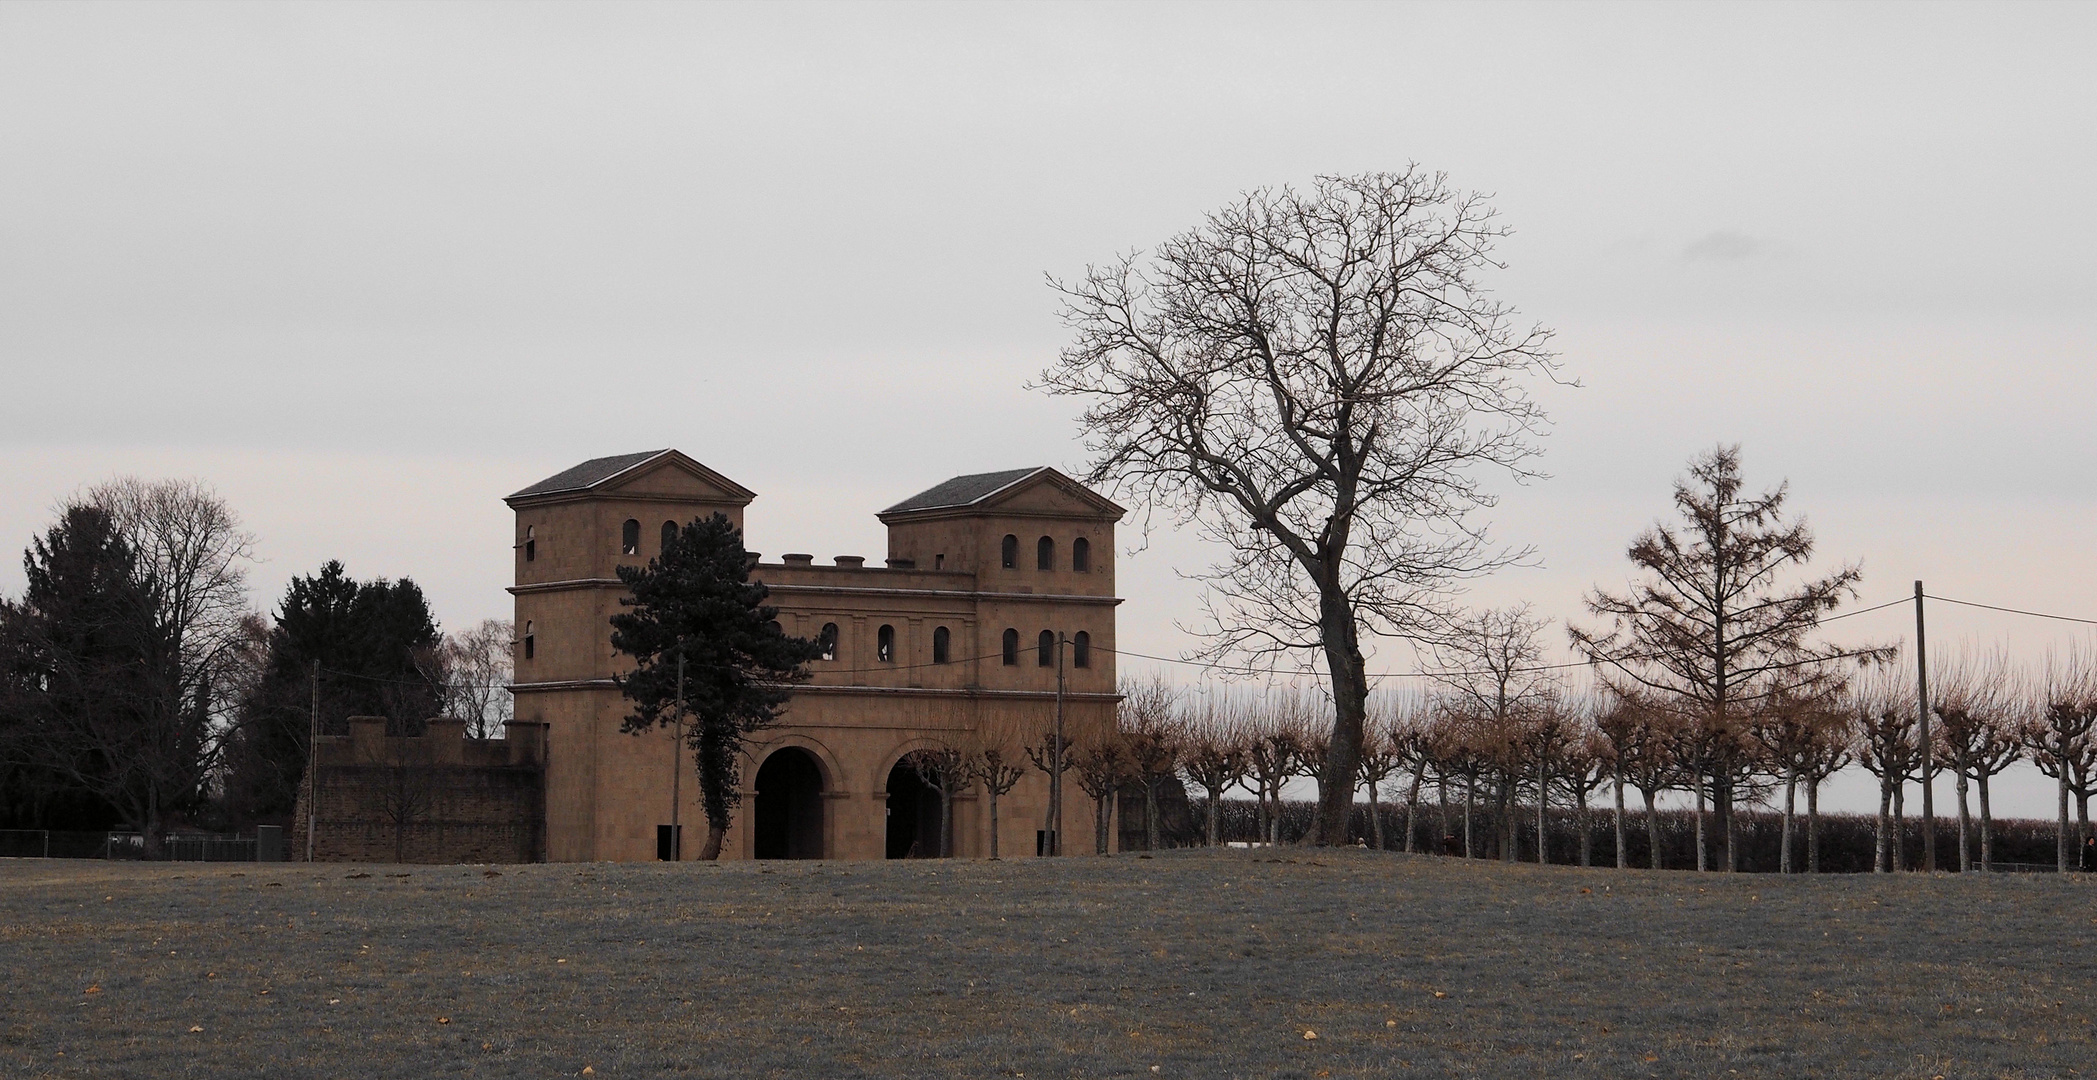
{"x":313,"y":764}
{"x":1922,"y":712}
{"x":677,"y":765}
{"x":1055,"y":837}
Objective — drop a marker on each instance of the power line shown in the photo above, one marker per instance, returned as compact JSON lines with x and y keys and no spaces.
{"x":2013,"y":611}
{"x":1869,"y":610}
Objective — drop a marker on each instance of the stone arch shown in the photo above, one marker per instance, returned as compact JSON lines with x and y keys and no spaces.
{"x":788,"y":813}
{"x":911,"y":806}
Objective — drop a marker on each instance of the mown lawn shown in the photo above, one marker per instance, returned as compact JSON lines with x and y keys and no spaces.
{"x":1192,"y":964}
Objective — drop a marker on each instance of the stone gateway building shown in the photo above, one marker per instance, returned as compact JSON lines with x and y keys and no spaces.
{"x":957,"y":630}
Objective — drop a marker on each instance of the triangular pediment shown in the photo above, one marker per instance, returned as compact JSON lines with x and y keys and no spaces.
{"x":672,"y":475}
{"x":655,"y":474}
{"x":1036,"y":492}
{"x":1052,"y":494}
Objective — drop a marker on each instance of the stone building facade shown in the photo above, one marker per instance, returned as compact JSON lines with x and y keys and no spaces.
{"x":988,"y":580}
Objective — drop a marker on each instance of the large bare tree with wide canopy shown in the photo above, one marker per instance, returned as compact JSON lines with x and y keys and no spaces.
{"x":1316,"y":380}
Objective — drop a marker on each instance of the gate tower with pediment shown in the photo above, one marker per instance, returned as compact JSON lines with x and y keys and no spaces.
{"x":952,"y":632}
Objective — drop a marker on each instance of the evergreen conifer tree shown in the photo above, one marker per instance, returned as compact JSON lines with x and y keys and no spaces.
{"x":697,"y":602}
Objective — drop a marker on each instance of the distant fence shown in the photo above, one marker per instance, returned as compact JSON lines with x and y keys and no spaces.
{"x":187,"y":847}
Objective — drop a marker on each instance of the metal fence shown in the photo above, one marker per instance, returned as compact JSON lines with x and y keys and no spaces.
{"x":58,"y":844}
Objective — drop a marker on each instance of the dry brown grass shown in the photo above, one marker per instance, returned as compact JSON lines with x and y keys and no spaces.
{"x":1193,"y":964}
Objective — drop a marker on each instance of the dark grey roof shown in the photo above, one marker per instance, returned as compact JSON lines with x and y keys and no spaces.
{"x":588,"y":474}
{"x":963,"y":490}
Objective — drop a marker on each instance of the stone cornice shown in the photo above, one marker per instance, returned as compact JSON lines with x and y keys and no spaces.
{"x":848,"y":590}
{"x":867,"y":691}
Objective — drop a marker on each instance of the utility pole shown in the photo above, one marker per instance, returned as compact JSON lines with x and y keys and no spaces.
{"x":1055,"y":844}
{"x":1922,"y":713}
{"x":313,"y":764}
{"x":677,"y":764}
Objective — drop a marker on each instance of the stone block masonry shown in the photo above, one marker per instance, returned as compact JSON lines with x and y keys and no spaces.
{"x":433,"y":798}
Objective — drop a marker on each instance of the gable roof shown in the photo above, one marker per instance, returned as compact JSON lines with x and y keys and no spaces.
{"x":589,"y":474}
{"x":621,"y":470}
{"x":964,"y":490}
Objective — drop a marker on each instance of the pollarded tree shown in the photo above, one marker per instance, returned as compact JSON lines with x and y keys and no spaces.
{"x":1976,"y":734}
{"x":1717,"y":627}
{"x":1491,"y":667}
{"x":1316,"y":381}
{"x":1792,"y":731}
{"x":2065,"y":716}
{"x":1213,"y":753}
{"x":1150,"y":741}
{"x":1883,"y":709}
{"x":995,"y":752}
{"x":709,"y":656}
{"x":1100,"y":765}
{"x":946,"y":770}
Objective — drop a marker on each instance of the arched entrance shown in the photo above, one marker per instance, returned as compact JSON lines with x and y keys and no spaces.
{"x":913,"y":815}
{"x":787,"y":822}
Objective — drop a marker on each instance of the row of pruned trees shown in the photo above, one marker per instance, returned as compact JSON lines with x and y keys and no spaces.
{"x":1512,"y":749}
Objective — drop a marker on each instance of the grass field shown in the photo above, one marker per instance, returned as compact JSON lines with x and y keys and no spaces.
{"x":1192,"y":964}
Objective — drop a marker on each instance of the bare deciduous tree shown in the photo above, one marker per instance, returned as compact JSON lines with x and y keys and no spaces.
{"x":946,"y":770}
{"x":1213,"y":752}
{"x":2066,"y":712}
{"x":1714,"y":630}
{"x":1315,"y":381}
{"x":994,"y":752}
{"x":476,"y":668}
{"x":1150,"y":740}
{"x":1976,"y":733}
{"x":1882,"y":706}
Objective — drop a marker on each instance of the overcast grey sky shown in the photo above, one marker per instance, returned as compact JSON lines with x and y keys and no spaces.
{"x":368,"y":268}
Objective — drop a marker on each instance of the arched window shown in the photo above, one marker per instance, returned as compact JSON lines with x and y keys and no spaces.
{"x":885,"y":644}
{"x":1081,"y":649}
{"x":1011,"y":647}
{"x":528,"y":650}
{"x":1045,"y":650}
{"x":774,"y":627}
{"x":1081,"y":555}
{"x":531,"y":543}
{"x":1045,"y":554}
{"x":942,"y":645}
{"x":1011,"y":552}
{"x":630,"y":537}
{"x":828,"y":640}
{"x":669,"y":534}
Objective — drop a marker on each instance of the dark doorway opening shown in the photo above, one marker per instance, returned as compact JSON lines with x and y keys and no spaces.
{"x":913,"y":815}
{"x":788,"y":821}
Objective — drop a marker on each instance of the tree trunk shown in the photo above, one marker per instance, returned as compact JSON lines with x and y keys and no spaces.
{"x":1503,"y":810}
{"x":1987,"y":827}
{"x":1623,"y":857}
{"x":1150,"y":815}
{"x":2060,"y":836}
{"x":1652,"y":828}
{"x":1412,"y":805}
{"x":1350,"y":695}
{"x":1375,"y":819}
{"x":993,"y":821}
{"x":1900,"y":828}
{"x":1215,"y":815}
{"x":946,"y":825}
{"x":1100,"y":813}
{"x":1882,"y":852}
{"x":1965,"y":827}
{"x":1813,"y":824}
{"x":1470,"y":799}
{"x":1729,"y":826}
{"x":1790,"y":806}
{"x":712,"y":850}
{"x":1543,"y":809}
{"x":1703,"y":849}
